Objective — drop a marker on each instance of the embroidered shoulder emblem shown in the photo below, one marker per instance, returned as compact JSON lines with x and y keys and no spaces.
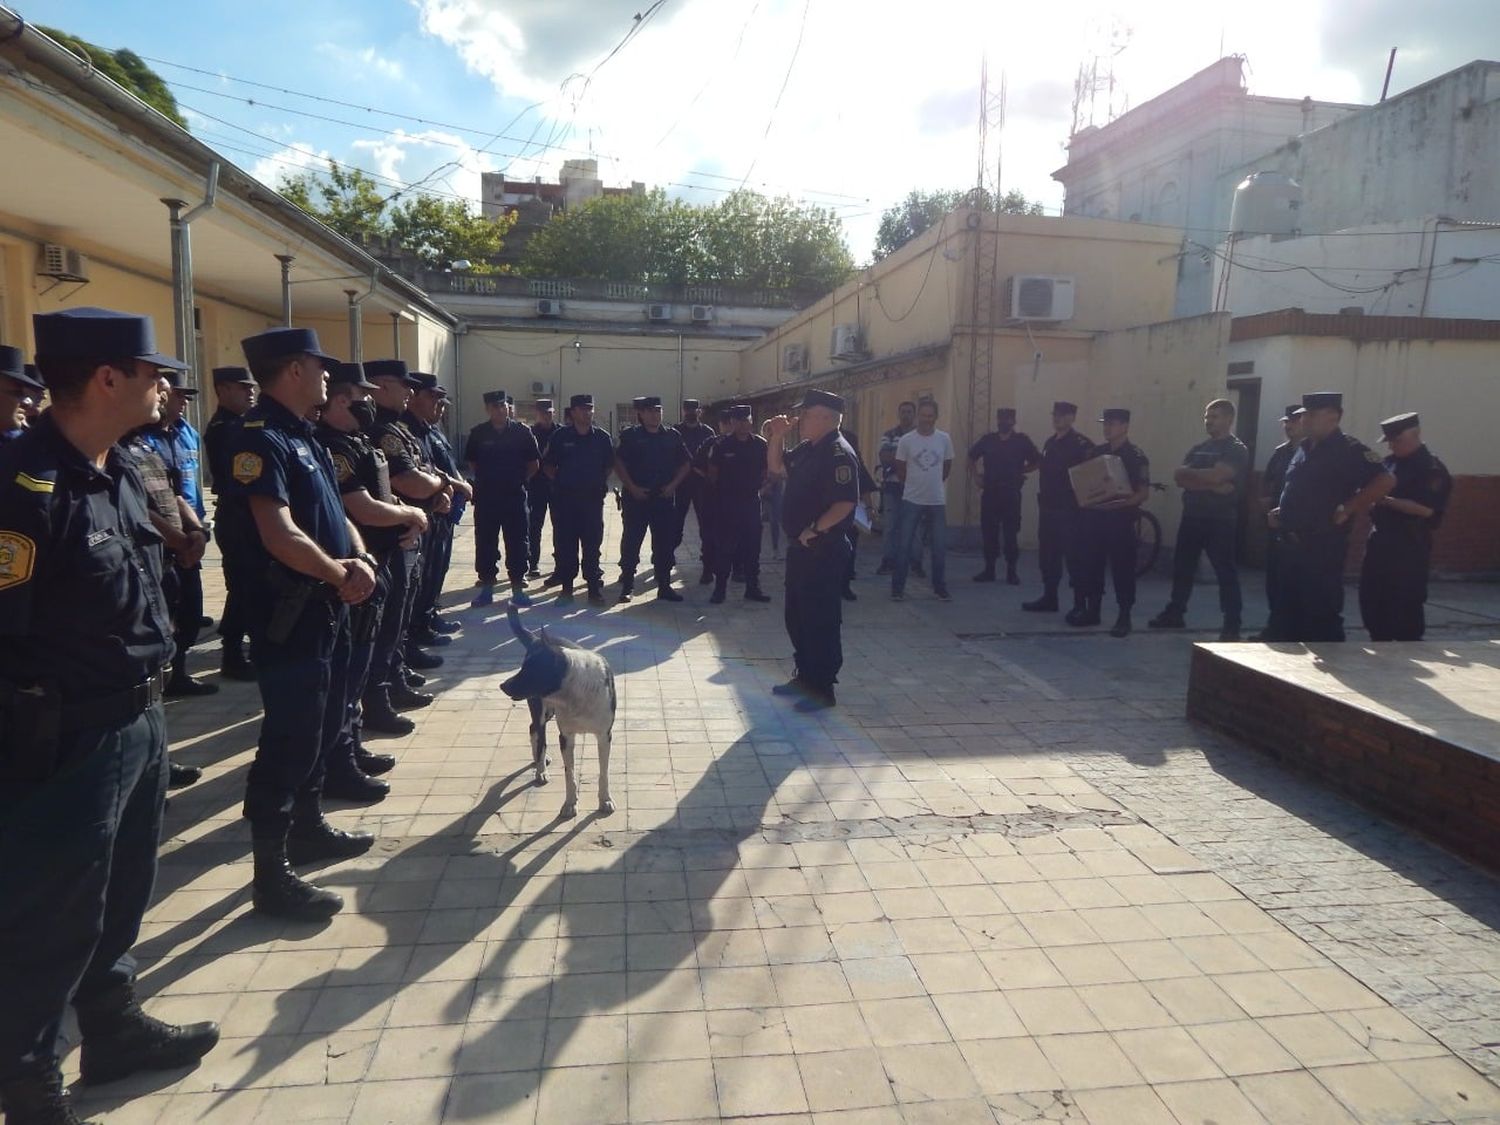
{"x":247,"y":467}
{"x":17,"y":556}
{"x":32,"y":484}
{"x":391,"y":444}
{"x":342,"y":468}
{"x":843,"y":474}
{"x":255,"y":424}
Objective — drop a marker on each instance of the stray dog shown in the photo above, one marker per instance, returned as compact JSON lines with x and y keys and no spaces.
{"x":563,"y":681}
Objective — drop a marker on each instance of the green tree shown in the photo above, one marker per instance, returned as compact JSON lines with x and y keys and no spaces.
{"x":345,"y":199}
{"x":921,"y":210}
{"x":746,"y":239}
{"x":126,"y":68}
{"x":441,"y":231}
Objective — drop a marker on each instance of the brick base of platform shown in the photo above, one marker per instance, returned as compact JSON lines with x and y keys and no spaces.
{"x":1436,"y":784}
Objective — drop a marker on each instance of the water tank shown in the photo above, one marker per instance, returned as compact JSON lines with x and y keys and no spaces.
{"x":1266,"y":203}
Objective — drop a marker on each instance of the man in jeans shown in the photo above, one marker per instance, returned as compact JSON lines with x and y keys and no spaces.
{"x":890,"y":489}
{"x":924,"y":458}
{"x":1212,"y":479}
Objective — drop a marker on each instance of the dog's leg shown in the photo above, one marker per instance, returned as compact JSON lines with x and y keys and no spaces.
{"x":565,"y":743}
{"x":538,"y":740}
{"x":606,"y":803}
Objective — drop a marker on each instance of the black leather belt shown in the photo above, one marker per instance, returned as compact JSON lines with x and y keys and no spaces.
{"x":119,"y":707}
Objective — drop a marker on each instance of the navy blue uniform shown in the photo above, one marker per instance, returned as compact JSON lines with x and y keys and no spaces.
{"x":739,"y":473}
{"x":581,"y":465}
{"x":818,"y":475}
{"x":1271,"y":481}
{"x":86,"y":627}
{"x":538,"y":500}
{"x":301,"y":659}
{"x":1210,"y":523}
{"x":1107,"y":537}
{"x":652,"y":460}
{"x":501,"y":459}
{"x":690,"y":492}
{"x":1393,"y":578}
{"x":403,"y":454}
{"x":1007,"y":459}
{"x":1310,"y":568}
{"x":1057,"y":510}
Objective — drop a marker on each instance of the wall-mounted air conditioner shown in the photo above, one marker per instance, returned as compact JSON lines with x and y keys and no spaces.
{"x":658,"y":312}
{"x":703,"y":314}
{"x":549,"y":306}
{"x":62,"y":263}
{"x":846,"y":343}
{"x":794,"y":359}
{"x":1039,"y":297}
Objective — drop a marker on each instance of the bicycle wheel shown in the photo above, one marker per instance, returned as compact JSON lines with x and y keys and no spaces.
{"x":1147,"y":542}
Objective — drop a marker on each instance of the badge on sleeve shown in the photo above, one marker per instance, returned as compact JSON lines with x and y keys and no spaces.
{"x":1373,"y":457}
{"x":17,"y":555}
{"x":342,"y":468}
{"x":391,"y":445}
{"x":247,"y":467}
{"x":843,"y":474}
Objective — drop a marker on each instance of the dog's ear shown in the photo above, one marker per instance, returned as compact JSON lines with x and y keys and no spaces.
{"x":541,"y":675}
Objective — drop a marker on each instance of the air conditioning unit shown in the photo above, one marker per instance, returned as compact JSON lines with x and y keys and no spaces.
{"x":548,"y":306}
{"x":703,"y":314}
{"x":538,"y":388}
{"x":658,"y":312}
{"x":1039,"y":297}
{"x":63,"y":264}
{"x":846,"y":342}
{"x":794,"y":359}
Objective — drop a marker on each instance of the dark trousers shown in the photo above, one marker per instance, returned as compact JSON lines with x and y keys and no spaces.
{"x":1196,"y":535}
{"x":658,"y":514}
{"x":736,"y":523}
{"x":690,"y":497}
{"x":364,"y":628}
{"x":1310,"y":587}
{"x":435,"y":570}
{"x":77,"y":861}
{"x":1000,"y":514}
{"x":815,"y":607}
{"x":537,"y":502}
{"x":385,"y":660}
{"x":302,"y":685}
{"x":497,"y":514}
{"x":1107,"y":543}
{"x":1273,"y":571}
{"x":187,"y":612}
{"x":1057,"y":544}
{"x":1393,"y":585}
{"x":578,"y":520}
{"x":234,"y":534}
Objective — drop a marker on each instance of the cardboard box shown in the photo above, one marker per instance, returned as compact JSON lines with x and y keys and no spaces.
{"x":1100,"y":478}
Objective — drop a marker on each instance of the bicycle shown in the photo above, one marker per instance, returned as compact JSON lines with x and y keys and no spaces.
{"x":1147,"y":537}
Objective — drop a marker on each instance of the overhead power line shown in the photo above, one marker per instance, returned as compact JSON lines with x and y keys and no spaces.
{"x":785,"y":80}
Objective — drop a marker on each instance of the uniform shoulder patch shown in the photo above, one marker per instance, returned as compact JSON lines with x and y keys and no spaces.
{"x":33,"y":484}
{"x":1373,"y":457}
{"x":342,"y":467}
{"x":391,"y":445}
{"x":843,"y":474}
{"x":255,"y":424}
{"x":17,"y":557}
{"x":247,"y":467}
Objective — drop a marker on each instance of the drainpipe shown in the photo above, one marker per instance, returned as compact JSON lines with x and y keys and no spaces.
{"x":396,"y":335}
{"x":286,"y":261}
{"x":356,"y":319}
{"x":182,"y":272}
{"x":681,"y":373}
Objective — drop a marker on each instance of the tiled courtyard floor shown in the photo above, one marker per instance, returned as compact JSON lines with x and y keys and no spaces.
{"x":1004,"y":881}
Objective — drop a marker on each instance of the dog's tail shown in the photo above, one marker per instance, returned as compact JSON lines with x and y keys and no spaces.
{"x":523,"y":634}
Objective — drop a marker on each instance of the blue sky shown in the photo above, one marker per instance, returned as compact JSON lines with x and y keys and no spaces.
{"x":844,"y":103}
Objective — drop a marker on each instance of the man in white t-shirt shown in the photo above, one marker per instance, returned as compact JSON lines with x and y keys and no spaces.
{"x":924,"y":458}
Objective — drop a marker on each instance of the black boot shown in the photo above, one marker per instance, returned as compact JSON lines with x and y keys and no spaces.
{"x":412,"y":679}
{"x":350,"y":783}
{"x":1121,"y":627}
{"x":234,"y":664}
{"x":987,"y":574}
{"x":425,"y":636}
{"x":596,"y":593}
{"x":753,"y":592}
{"x":665,"y":593}
{"x":1047,"y":603}
{"x":380,"y":717}
{"x":721,"y":590}
{"x":120,"y":1039}
{"x":441,"y":625}
{"x":312,"y":839}
{"x":404,"y":698}
{"x":422,"y":661}
{"x":183,"y":686}
{"x":706,"y":578}
{"x":1085,"y":612}
{"x":373,"y":764}
{"x":1011,"y":577}
{"x":1169,"y":618}
{"x":180,"y":777}
{"x":1079,"y":611}
{"x":278,"y":890}
{"x":627,"y":587}
{"x":38,"y":1100}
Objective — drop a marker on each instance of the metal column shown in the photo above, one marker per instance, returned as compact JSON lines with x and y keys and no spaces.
{"x":286,"y":261}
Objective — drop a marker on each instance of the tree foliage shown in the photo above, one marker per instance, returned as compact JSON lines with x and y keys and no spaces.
{"x":438,"y":231}
{"x":747,"y":239}
{"x":920,"y":210}
{"x":126,"y":68}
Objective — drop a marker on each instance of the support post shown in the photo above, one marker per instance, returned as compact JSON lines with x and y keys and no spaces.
{"x":286,"y":261}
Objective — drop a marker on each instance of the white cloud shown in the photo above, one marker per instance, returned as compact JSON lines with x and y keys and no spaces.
{"x":288,"y":161}
{"x":446,"y":162}
{"x":366,"y":60}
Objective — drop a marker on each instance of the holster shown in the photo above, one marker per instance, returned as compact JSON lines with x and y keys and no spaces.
{"x":30,"y":732}
{"x":293,"y":592}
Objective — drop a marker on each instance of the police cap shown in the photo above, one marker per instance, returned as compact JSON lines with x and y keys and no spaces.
{"x":1323,"y":400}
{"x":1292,"y":411}
{"x":578,"y":401}
{"x":389,"y":369}
{"x":232,"y":375}
{"x":100,"y":334}
{"x":494,"y":398}
{"x":690,"y":404}
{"x":278,"y":343}
{"x":651,"y":402}
{"x":1391,"y":427}
{"x":544,"y":404}
{"x":1115,"y":414}
{"x":424,"y":381}
{"x":821,"y":398}
{"x":1061,"y":407}
{"x":31,"y":377}
{"x":739,"y":410}
{"x":638,"y":403}
{"x":350,"y":375}
{"x":12,"y":366}
{"x":1006,"y":412}
{"x":175,"y":379}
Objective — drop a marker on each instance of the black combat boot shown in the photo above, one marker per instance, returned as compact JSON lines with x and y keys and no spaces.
{"x":312,"y":839}
{"x":180,"y":777}
{"x":440,"y":624}
{"x":1011,"y":577}
{"x":987,"y":574}
{"x":422,"y":661}
{"x":1047,"y":603}
{"x":119,"y":1039}
{"x":404,"y":698}
{"x":279,"y":892}
{"x":182,"y":686}
{"x":721,"y":591}
{"x":664,"y":591}
{"x":753,"y":592}
{"x":373,"y":764}
{"x":412,"y":679}
{"x":1169,"y":618}
{"x":627,"y":587}
{"x":1079,"y":611}
{"x":1092,"y":607}
{"x":380,"y":717}
{"x":596,"y":593}
{"x":38,"y":1100}
{"x":1121,"y":627}
{"x":350,"y":783}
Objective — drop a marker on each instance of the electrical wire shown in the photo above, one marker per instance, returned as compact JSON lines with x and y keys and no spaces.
{"x":922,"y":287}
{"x":776,"y":105}
{"x":715,"y":73}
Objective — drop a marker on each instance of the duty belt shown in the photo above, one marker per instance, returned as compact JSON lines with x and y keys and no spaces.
{"x":118,"y":707}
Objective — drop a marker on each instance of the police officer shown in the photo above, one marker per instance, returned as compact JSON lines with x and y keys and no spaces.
{"x":421,"y":419}
{"x":1393,"y":579}
{"x":1330,"y":480}
{"x":737,"y":471}
{"x":539,"y":488}
{"x":652,"y":462}
{"x":706,"y":504}
{"x":579,"y":460}
{"x":1057,"y":509}
{"x":1212,"y":478}
{"x":1008,"y":456}
{"x":690,"y":492}
{"x":83,"y":742}
{"x":503,"y":456}
{"x":1271,"y":480}
{"x":1106,"y":529}
{"x":235,"y":391}
{"x":822,"y":489}
{"x":388,"y":527}
{"x":867,"y":490}
{"x":19,"y":390}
